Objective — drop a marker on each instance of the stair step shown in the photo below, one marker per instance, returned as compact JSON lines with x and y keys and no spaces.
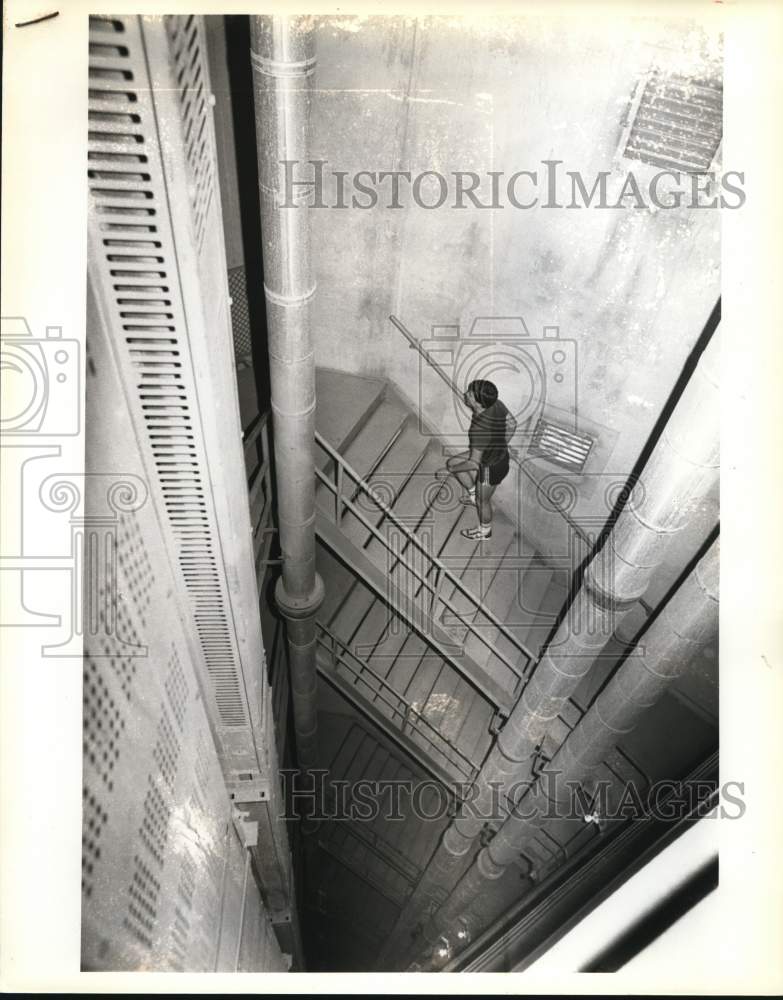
{"x":338,"y":581}
{"x":480,"y":571}
{"x":389,"y":645}
{"x":348,"y":618}
{"x":448,"y":702}
{"x":343,"y":402}
{"x":405,"y":663}
{"x":376,"y":624}
{"x":502,"y":599}
{"x":535,"y":634}
{"x":390,"y":477}
{"x":474,"y":737}
{"x":422,"y":683}
{"x":378,"y":431}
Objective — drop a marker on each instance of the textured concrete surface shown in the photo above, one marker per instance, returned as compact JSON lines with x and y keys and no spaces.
{"x":630,"y":288}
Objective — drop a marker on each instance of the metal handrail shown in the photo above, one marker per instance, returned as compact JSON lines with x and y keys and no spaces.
{"x":416,"y":345}
{"x":259,"y":482}
{"x":424,"y":353}
{"x":442,"y":571}
{"x":340,"y":653}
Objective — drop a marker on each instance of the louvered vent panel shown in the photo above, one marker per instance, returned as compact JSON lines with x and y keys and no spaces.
{"x":162,"y":406}
{"x":188,"y":46}
{"x":560,"y":446}
{"x":678,"y":123}
{"x":156,"y":826}
{"x":138,"y":267}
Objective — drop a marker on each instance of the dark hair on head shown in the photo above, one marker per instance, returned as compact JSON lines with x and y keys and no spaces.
{"x":486,"y":392}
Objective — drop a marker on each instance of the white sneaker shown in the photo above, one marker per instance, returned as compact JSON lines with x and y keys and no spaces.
{"x":482,"y":531}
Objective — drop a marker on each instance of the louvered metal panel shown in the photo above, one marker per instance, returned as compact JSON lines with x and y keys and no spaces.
{"x":156,"y":815}
{"x":561,"y":446}
{"x":678,"y":123}
{"x":156,"y":253}
{"x":161,"y":325}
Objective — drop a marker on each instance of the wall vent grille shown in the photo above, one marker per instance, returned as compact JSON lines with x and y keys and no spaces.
{"x":138,"y":268}
{"x":678,"y":123}
{"x":560,"y":446}
{"x":188,"y":47}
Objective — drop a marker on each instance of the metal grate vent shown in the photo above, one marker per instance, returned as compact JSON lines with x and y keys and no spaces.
{"x":135,"y":564}
{"x":560,"y":446}
{"x":154,"y":830}
{"x":176,"y":688}
{"x":142,"y":910}
{"x":94,"y":818}
{"x":167,"y":750}
{"x":188,"y":47}
{"x":139,"y":270}
{"x":240,"y":315}
{"x":103,"y":724}
{"x":678,"y":123}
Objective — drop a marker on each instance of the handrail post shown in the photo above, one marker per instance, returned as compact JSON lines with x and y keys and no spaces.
{"x":338,"y":492}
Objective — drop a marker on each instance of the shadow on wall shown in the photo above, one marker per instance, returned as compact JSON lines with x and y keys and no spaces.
{"x":241,"y":83}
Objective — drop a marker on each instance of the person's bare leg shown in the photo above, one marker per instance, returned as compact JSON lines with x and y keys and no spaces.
{"x":466,"y":479}
{"x":483,"y":504}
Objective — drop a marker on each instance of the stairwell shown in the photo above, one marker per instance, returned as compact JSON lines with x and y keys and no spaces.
{"x":440,"y":676}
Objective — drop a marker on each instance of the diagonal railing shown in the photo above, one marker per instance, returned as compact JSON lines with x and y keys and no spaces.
{"x":577,"y":529}
{"x":405,"y":718}
{"x":433,"y":577}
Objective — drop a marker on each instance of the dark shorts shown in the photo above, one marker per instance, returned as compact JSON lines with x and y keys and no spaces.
{"x":491,"y":475}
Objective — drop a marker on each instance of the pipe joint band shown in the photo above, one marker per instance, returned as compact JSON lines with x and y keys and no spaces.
{"x":487,"y":866}
{"x":278,"y":412}
{"x":282,"y":70}
{"x":605,"y":599}
{"x":299,"y":608}
{"x":289,"y":300}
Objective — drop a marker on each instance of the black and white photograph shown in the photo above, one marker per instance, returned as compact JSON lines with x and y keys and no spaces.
{"x":374,"y":392}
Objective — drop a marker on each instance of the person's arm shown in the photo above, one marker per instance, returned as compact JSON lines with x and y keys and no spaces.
{"x":511,"y":426}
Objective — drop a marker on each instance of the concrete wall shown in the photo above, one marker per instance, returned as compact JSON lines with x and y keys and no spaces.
{"x":630,"y":289}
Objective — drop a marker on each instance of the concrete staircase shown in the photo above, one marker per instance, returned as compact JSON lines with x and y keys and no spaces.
{"x":399,"y":675}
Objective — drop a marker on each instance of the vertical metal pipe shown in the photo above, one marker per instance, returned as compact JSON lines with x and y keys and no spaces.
{"x":283,"y":60}
{"x":681,"y":470}
{"x":686,"y":624}
{"x":678,"y":475}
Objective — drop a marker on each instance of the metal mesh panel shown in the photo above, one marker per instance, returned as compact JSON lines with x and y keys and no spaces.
{"x":240,"y":316}
{"x":147,"y":839}
{"x":156,"y":812}
{"x":163,"y":675}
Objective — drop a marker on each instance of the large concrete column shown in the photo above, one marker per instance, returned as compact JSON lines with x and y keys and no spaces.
{"x":687,"y":623}
{"x":678,"y":475}
{"x":283,"y":59}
